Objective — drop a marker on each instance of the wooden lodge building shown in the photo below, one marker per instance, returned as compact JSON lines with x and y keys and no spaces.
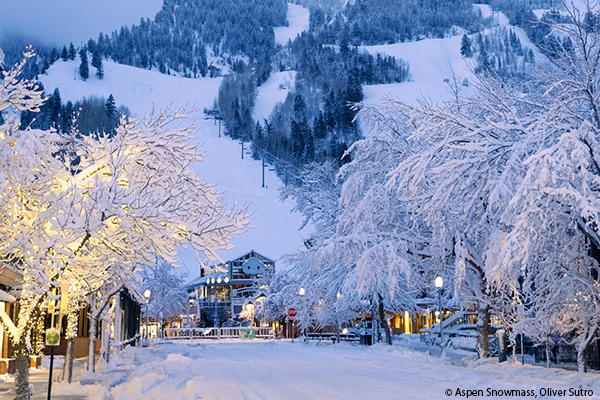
{"x":222,"y":294}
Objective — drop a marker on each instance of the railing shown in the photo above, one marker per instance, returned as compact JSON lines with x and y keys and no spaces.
{"x":214,"y":304}
{"x":263,"y":332}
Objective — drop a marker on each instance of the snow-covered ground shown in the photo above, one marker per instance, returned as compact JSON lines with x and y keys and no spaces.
{"x":275,"y":231}
{"x":273,"y":91}
{"x":433,"y":64}
{"x":431,"y":61}
{"x":297,"y":17}
{"x":64,"y":21}
{"x":278,"y":370}
{"x":276,"y":88}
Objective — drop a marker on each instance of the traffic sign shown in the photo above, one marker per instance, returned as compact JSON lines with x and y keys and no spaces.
{"x":291,"y":312}
{"x":52,"y":337}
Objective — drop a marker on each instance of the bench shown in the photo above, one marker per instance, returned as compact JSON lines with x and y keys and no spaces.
{"x":343,"y":337}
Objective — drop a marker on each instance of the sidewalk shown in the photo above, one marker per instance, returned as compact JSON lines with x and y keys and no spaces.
{"x":39,"y":379}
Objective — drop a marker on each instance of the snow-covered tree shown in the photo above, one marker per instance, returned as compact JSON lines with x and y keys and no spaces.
{"x":114,"y":201}
{"x":168,"y":294}
{"x":554,"y":234}
{"x":466,"y":163}
{"x":358,"y":259}
{"x":28,"y":195}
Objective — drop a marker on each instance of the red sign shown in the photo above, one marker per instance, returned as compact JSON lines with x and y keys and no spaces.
{"x":292,"y":313}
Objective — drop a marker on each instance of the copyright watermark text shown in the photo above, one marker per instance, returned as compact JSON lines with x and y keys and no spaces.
{"x":532,"y":393}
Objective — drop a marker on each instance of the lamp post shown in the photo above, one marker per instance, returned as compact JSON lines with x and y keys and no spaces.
{"x":191,"y":298}
{"x":439,"y":283}
{"x":302,"y":292}
{"x":261,"y":297}
{"x":147,"y":294}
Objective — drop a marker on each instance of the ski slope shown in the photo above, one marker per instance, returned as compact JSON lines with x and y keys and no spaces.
{"x":297,"y":18}
{"x":275,"y":231}
{"x":273,"y":91}
{"x":434,"y":63}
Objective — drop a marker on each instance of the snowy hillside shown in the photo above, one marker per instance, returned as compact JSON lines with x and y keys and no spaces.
{"x":273,"y":91}
{"x":275,"y":231}
{"x":433,"y":63}
{"x":297,"y":17}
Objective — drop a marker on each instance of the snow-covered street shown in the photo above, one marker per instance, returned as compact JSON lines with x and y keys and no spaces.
{"x":281,"y":370}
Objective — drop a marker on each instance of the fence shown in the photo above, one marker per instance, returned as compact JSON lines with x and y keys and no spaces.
{"x":263,"y":332}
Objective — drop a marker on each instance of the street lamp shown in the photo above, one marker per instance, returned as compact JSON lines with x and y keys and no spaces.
{"x":191,"y":298}
{"x":302,"y":292}
{"x":147,"y":294}
{"x":439,"y":283}
{"x":261,"y":297}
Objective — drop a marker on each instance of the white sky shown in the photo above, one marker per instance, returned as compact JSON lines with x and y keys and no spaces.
{"x":59,"y":22}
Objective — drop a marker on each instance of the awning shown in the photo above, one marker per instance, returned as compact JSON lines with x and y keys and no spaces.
{"x":7,"y":297}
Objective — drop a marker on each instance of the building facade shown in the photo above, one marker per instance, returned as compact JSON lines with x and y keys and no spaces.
{"x":221,"y":295}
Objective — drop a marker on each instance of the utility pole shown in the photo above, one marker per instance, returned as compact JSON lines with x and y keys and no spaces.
{"x":263,"y":171}
{"x":215,"y":115}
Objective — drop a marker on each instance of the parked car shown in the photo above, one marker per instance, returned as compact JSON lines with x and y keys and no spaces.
{"x":363,"y":328}
{"x":459,"y":335}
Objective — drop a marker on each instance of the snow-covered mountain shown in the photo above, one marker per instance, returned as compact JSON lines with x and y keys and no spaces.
{"x":432,"y":63}
{"x":275,"y":230}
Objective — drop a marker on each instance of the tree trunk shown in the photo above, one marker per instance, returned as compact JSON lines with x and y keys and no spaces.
{"x":513,"y":343}
{"x":68,"y":367}
{"x":548,"y":353}
{"x":92,"y":349}
{"x":22,"y":373}
{"x":483,"y":330}
{"x":384,"y":324}
{"x":587,"y":337}
{"x":581,"y":352}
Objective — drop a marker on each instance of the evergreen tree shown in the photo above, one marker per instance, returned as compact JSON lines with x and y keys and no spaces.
{"x":465,"y":46}
{"x":54,"y":108}
{"x":100,"y":71}
{"x":319,"y":127}
{"x":97,"y":63}
{"x":45,"y":66}
{"x":66,"y":122}
{"x":309,"y":144}
{"x":111,"y":107}
{"x":53,"y":55}
{"x":91,"y":46}
{"x":84,"y":69}
{"x":72,"y":52}
{"x":485,"y":65}
{"x":96,"y":59}
{"x":64,"y":55}
{"x":259,"y":132}
{"x":299,"y":107}
{"x":297,"y":136}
